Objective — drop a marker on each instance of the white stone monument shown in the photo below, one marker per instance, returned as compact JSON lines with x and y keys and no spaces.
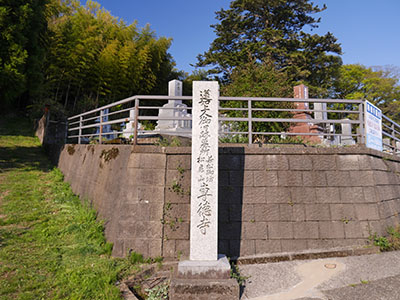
{"x":204,"y":185}
{"x":206,"y":272}
{"x":204,"y":188}
{"x":174,"y":109}
{"x":130,"y":126}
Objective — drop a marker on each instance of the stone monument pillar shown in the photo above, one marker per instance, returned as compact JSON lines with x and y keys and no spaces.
{"x":130,"y":126}
{"x":346,"y":138}
{"x":318,"y":114}
{"x":204,"y":186}
{"x":206,"y":274}
{"x":301,"y":92}
{"x":168,"y":110}
{"x":172,"y":110}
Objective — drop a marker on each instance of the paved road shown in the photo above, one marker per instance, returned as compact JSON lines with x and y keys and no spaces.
{"x":368,"y":277}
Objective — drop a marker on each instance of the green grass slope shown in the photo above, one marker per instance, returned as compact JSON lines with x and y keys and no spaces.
{"x":51,"y":246}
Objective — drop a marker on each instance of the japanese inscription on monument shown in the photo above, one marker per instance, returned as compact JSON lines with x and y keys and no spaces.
{"x":204,"y":188}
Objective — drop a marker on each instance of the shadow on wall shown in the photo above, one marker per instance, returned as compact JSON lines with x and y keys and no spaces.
{"x":230,"y":200}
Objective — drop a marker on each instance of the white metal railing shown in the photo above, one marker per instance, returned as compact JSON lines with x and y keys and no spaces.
{"x":352,"y":107}
{"x":390,"y":135}
{"x":240,"y":114}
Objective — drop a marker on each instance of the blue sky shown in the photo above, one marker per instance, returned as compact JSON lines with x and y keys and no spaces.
{"x":368,"y":30}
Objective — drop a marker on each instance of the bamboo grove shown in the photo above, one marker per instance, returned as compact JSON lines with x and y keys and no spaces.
{"x":76,"y":57}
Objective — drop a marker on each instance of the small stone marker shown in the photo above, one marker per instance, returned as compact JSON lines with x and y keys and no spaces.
{"x":318,"y":114}
{"x":346,"y":139}
{"x":204,"y":188}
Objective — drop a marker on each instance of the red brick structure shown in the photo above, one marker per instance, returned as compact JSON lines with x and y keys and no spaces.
{"x":301,"y":92}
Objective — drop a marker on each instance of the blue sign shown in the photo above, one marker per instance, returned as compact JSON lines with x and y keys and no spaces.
{"x":373,"y":110}
{"x":373,"y":126}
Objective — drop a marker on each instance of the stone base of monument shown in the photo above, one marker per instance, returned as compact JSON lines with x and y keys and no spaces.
{"x":198,"y":280}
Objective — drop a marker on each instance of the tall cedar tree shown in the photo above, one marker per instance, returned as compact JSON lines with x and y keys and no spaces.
{"x":273,"y":29}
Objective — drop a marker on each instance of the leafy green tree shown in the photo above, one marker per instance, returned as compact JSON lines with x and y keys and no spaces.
{"x":23,"y":26}
{"x":196,"y":75}
{"x":258,"y":29}
{"x":95,"y":58}
{"x":75,"y":57}
{"x":255,"y":79}
{"x":379,"y":85}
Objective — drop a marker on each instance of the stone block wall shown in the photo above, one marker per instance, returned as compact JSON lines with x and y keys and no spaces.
{"x":321,"y":198}
{"x":127,"y":189}
{"x":270,"y":200}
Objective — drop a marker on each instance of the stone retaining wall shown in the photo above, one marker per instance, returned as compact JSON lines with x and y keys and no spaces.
{"x":270,"y":199}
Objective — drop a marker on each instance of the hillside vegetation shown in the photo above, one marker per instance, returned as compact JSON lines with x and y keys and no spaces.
{"x":51,"y":246}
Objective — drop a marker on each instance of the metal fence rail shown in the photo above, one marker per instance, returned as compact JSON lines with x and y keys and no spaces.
{"x":333,"y":116}
{"x":240,"y":118}
{"x":391,"y":135}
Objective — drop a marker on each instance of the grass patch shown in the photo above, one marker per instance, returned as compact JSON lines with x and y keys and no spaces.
{"x":390,"y":242}
{"x":51,"y":245}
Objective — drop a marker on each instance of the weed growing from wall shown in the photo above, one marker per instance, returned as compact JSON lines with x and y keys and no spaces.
{"x":235,"y":274}
{"x":108,"y":155}
{"x":169,"y":220}
{"x":158,"y":292}
{"x":71,"y":149}
{"x":176,"y":186}
{"x":390,"y":242}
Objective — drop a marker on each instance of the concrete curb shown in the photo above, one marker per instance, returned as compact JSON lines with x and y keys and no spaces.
{"x":308,"y":254}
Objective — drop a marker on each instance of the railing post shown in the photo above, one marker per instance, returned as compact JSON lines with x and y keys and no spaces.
{"x":101,"y":126}
{"x":250,"y":122}
{"x":66,"y":131}
{"x":80,"y":129}
{"x":393,"y":138}
{"x":361,"y":119}
{"x":136,"y":121}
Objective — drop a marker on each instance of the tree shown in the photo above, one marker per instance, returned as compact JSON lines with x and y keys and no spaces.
{"x":379,"y":85}
{"x":75,"y":57}
{"x":95,"y":58}
{"x":196,"y":75}
{"x":264,"y":29}
{"x":255,"y":79}
{"x":23,"y":26}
